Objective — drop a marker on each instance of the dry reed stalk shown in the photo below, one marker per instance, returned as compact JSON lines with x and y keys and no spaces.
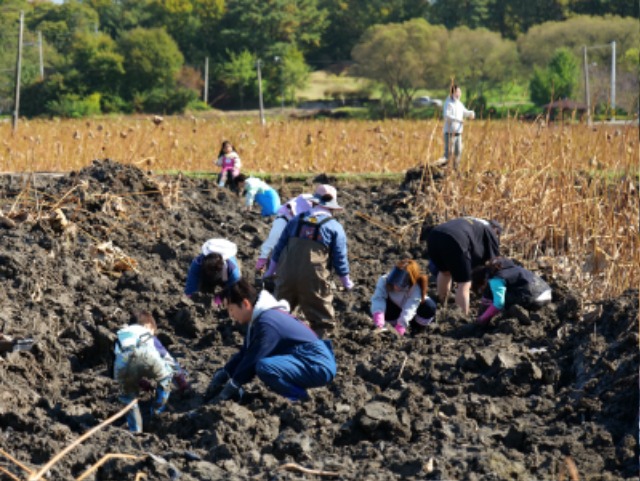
{"x":9,"y":473}
{"x":404,"y":363}
{"x":301,"y":469}
{"x":103,"y":460}
{"x":88,"y":434}
{"x":16,"y":462}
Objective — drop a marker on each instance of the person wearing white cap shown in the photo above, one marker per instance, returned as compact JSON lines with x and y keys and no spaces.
{"x":215,"y":267}
{"x":288,"y":211}
{"x":310,"y":243}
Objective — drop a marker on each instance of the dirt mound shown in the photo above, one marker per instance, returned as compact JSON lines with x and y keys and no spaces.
{"x":454,"y":401}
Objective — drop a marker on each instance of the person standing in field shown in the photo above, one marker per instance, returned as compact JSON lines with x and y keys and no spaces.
{"x":456,"y":247}
{"x":230,"y":164}
{"x":288,"y":211}
{"x":454,"y":113}
{"x":258,"y":191}
{"x":309,"y":245}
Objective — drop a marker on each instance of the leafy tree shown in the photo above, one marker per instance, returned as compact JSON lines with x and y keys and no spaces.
{"x":403,"y":57}
{"x":470,"y":13}
{"x":152,"y":60}
{"x":59,"y":23}
{"x":539,"y":44}
{"x":100,"y":67}
{"x":264,"y":27}
{"x":347,"y":20}
{"x":557,"y":81}
{"x":624,"y":8}
{"x":295,"y":72}
{"x":240,"y":72}
{"x":480,"y":59}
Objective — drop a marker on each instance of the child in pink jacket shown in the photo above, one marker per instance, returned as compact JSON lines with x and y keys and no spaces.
{"x":229,"y":161}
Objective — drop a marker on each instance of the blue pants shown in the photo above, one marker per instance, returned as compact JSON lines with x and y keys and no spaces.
{"x":269,"y":201}
{"x":308,"y":365}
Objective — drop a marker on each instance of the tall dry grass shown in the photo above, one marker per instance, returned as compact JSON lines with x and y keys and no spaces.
{"x":567,"y":192}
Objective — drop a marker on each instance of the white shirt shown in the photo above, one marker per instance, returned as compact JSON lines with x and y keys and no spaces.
{"x":454,"y":113}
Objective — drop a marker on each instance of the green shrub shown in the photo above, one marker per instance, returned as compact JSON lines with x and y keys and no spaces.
{"x":163,"y":101}
{"x":111,"y":104}
{"x":73,"y":106}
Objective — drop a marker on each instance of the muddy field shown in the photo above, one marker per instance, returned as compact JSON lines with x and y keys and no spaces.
{"x":535,"y":396}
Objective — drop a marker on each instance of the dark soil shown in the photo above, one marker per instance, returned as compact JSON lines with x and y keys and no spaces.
{"x":523,"y":399}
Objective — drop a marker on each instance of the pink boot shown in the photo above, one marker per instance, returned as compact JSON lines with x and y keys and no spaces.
{"x":400,"y":329}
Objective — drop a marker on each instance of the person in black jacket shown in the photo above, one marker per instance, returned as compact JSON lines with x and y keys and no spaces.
{"x":456,"y":247}
{"x":504,"y":284}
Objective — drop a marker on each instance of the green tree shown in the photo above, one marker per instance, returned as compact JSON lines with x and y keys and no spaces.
{"x":295,"y":72}
{"x":266,"y":26}
{"x":539,"y":44}
{"x":347,"y":21}
{"x":470,"y":13}
{"x":59,"y":23}
{"x":100,"y":66}
{"x":557,"y":81}
{"x":403,"y":57}
{"x":151,"y":59}
{"x":480,"y":59}
{"x":240,"y":72}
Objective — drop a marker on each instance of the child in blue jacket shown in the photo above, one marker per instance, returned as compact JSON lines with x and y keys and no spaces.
{"x":214,"y":269}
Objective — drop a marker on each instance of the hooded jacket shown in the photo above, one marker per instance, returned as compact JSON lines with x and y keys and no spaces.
{"x":273,"y":331}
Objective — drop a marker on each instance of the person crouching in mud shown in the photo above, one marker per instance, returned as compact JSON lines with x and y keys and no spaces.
{"x":401,"y":298}
{"x":285,"y":354}
{"x":216,"y":268}
{"x":504,"y":284}
{"x":137,"y":359}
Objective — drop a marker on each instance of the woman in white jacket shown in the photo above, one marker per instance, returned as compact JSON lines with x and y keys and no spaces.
{"x":401,"y":297}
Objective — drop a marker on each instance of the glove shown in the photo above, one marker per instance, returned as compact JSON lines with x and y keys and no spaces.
{"x":346,"y":282}
{"x":217,"y":381}
{"x":180,"y":380}
{"x":145,"y":385}
{"x":217,"y":301}
{"x":260,"y":263}
{"x":160,"y":403}
{"x":400,"y":329}
{"x":271,"y":271}
{"x":230,"y":391}
{"x":484,"y":319}
{"x":378,"y":319}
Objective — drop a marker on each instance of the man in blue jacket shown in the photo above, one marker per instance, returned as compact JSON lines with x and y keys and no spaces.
{"x":309,"y":244}
{"x":281,"y":350}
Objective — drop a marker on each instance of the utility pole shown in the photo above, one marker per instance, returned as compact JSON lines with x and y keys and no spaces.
{"x":16,"y":111}
{"x":613,"y":80}
{"x":587,"y":96}
{"x":259,"y":69}
{"x":206,"y":80}
{"x":40,"y":55}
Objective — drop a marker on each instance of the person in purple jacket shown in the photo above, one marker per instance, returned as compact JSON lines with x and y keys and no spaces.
{"x":456,"y":247}
{"x":214,"y":269}
{"x":311,"y":243}
{"x":282,"y":351}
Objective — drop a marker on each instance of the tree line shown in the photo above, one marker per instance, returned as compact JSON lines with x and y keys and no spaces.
{"x":147,"y":55}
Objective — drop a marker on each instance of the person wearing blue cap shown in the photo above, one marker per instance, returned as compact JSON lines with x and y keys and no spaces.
{"x":455,"y":248}
{"x":401,"y":297}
